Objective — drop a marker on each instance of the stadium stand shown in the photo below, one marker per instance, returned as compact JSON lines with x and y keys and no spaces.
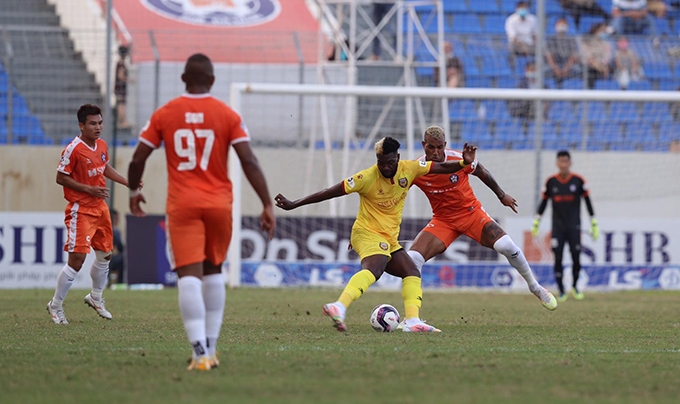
{"x":476,"y":28}
{"x":49,"y":76}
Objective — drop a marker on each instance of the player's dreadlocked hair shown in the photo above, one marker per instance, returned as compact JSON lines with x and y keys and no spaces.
{"x":386,"y":145}
{"x":435,"y":132}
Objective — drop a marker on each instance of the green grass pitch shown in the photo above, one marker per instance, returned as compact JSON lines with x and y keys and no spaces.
{"x":277,"y":347}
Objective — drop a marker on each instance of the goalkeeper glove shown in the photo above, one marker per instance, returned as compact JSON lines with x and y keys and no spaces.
{"x":534,"y":228}
{"x":594,"y":229}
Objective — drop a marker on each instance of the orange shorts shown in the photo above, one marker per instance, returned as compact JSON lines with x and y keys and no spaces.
{"x":88,"y":227}
{"x":469,"y":223}
{"x":198,"y":234}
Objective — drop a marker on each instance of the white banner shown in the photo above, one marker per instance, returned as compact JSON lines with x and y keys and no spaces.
{"x":32,"y":251}
{"x":622,"y":241}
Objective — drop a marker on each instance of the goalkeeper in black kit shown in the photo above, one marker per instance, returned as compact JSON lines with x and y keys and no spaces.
{"x":566,"y":190}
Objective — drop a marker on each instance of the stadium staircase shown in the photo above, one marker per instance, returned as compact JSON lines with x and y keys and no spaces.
{"x":50,"y":77}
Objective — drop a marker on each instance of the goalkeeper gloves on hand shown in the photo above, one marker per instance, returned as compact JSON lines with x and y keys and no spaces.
{"x":594,"y":229}
{"x":534,"y":228}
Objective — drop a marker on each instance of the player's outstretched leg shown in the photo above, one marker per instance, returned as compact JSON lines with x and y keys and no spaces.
{"x":356,"y":287}
{"x":516,"y":258}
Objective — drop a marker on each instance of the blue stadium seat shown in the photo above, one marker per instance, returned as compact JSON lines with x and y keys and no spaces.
{"x":484,"y":7}
{"x":607,"y":85}
{"x":561,"y":111}
{"x":470,"y":65}
{"x":510,"y":131}
{"x":657,"y":69}
{"x":656,"y":112}
{"x":573,"y":84}
{"x":640,"y":135}
{"x":494,"y":24}
{"x":623,"y":112}
{"x":468,"y":23}
{"x":508,"y":6}
{"x":668,"y":85}
{"x":477,"y":82}
{"x":476,"y":131}
{"x":496,"y":110}
{"x":507,"y":82}
{"x":596,"y":111}
{"x":571,"y":132}
{"x":552,"y":7}
{"x":455,"y":5}
{"x":495,"y":66}
{"x":662,"y":26}
{"x":482,"y":46}
{"x":26,"y":125}
{"x":462,"y":110}
{"x":605,"y":136}
{"x":642,"y":85}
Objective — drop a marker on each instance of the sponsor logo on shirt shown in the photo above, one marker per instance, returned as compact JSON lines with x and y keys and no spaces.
{"x":219,"y":13}
{"x":423,"y":163}
{"x":96,"y":171}
{"x":350,"y":182}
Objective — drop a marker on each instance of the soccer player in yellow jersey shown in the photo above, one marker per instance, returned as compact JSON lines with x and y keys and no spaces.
{"x":382,"y":189}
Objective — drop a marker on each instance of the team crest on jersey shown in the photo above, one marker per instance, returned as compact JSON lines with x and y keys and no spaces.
{"x":572,"y":188}
{"x":403,"y":182}
{"x":453,"y":178}
{"x":383,"y":246}
{"x":220,"y":13}
{"x":104,"y":157}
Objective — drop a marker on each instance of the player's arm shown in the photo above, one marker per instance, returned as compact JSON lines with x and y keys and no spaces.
{"x":594,"y":226}
{"x":323,"y":195}
{"x":253,"y":171}
{"x":539,"y":212}
{"x":67,"y":181}
{"x":448,"y":167}
{"x":113,"y":175}
{"x":135,"y":171}
{"x":485,"y":176}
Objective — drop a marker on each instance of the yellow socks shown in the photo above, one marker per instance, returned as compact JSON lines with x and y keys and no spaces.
{"x":412,"y":293}
{"x":357,"y":285}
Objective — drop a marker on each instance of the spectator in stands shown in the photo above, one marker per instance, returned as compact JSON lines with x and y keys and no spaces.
{"x":521,"y":28}
{"x":577,"y":8}
{"x":120,"y":88}
{"x":630,"y":17}
{"x":117,"y":264}
{"x":526,"y":109}
{"x":455,"y":73}
{"x":657,"y":8}
{"x":597,"y":53}
{"x":627,"y":64}
{"x":562,"y":53}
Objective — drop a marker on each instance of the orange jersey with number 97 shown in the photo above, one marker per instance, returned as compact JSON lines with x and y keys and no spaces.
{"x":197,"y":131}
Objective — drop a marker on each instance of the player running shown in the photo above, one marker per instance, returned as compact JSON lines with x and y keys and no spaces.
{"x":456,"y":210}
{"x":82,"y":171}
{"x":198,"y":130}
{"x":382,"y":189}
{"x":566,"y":190}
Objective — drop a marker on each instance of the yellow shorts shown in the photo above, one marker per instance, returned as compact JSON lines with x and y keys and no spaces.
{"x":367,"y":243}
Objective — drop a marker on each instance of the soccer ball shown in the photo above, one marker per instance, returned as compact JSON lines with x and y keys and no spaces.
{"x":384,"y":318}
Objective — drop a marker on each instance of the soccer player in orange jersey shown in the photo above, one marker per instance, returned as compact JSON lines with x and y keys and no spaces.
{"x":82,"y":171}
{"x":198,"y":131}
{"x":456,"y":210}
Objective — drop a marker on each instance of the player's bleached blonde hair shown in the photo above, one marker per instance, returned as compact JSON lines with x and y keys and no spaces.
{"x":435,"y":132}
{"x":386,"y":145}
